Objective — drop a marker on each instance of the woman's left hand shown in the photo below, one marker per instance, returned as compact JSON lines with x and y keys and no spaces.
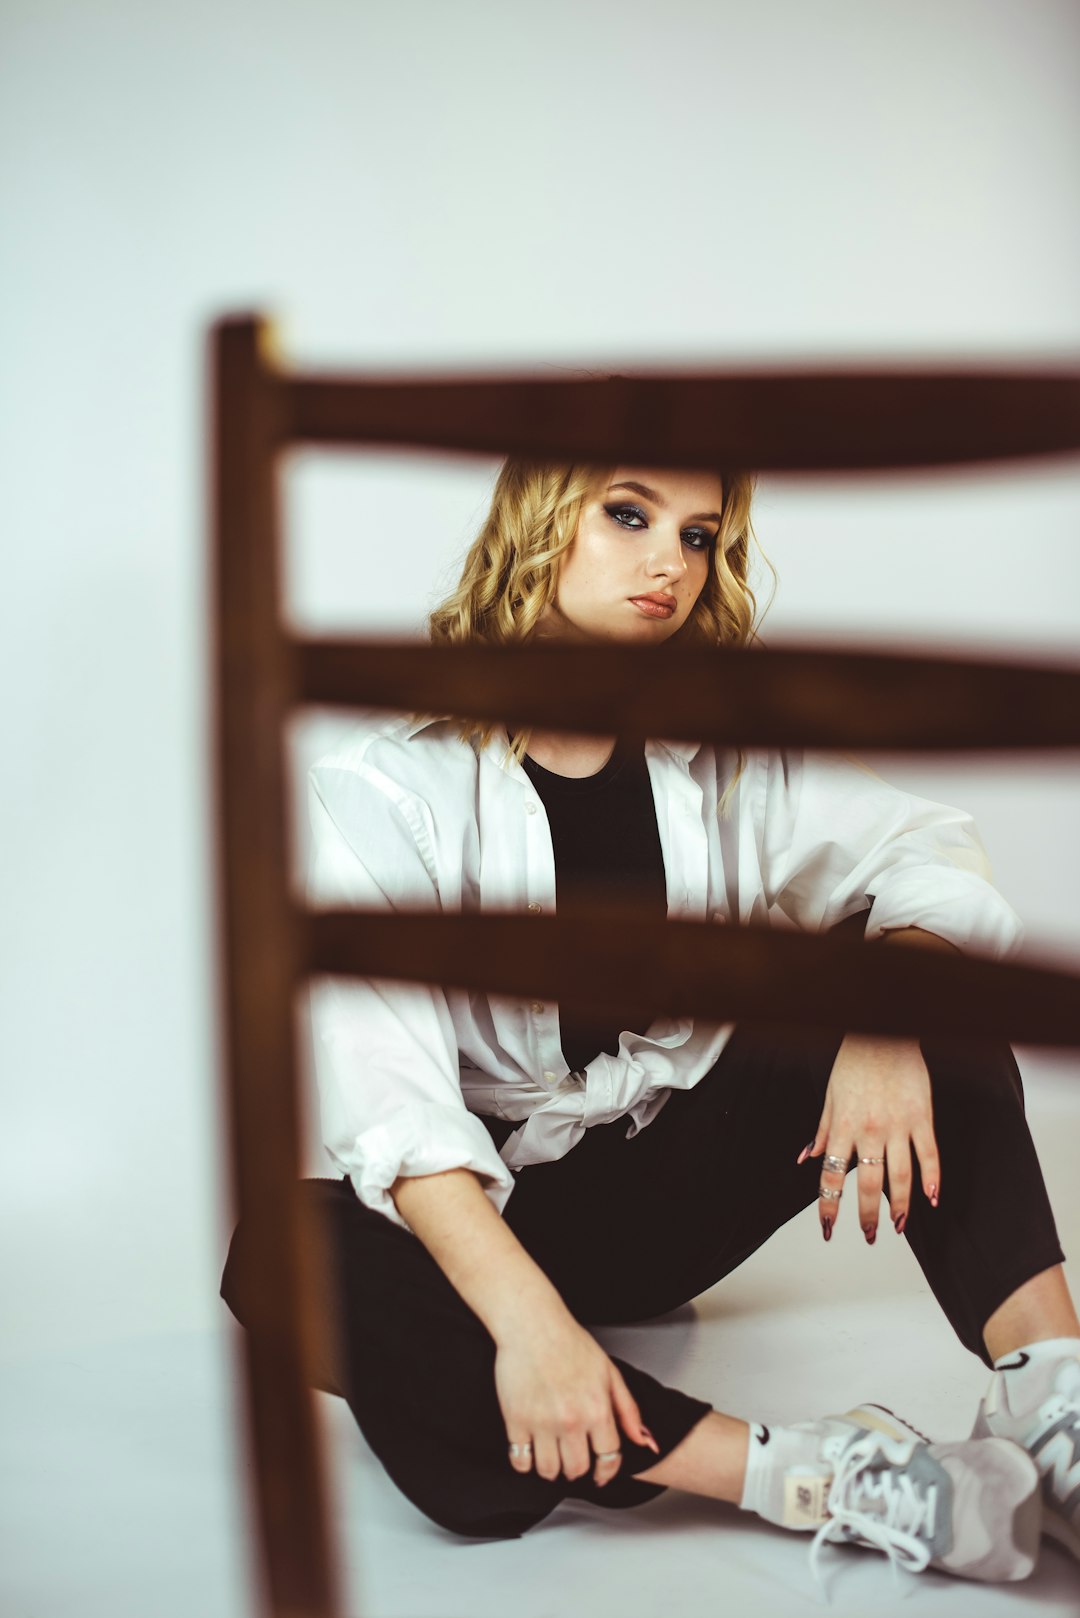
{"x":877,"y":1106}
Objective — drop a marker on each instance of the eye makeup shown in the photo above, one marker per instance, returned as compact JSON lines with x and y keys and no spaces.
{"x":697,"y":539}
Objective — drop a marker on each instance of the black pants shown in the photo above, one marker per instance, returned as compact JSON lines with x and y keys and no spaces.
{"x":629,"y":1229}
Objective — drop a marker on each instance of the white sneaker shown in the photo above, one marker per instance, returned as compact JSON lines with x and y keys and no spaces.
{"x":1048,"y":1427}
{"x":970,"y":1508}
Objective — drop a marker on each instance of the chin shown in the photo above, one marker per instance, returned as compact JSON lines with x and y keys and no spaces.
{"x":645,"y":634}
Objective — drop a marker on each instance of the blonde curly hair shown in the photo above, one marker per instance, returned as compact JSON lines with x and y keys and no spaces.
{"x":511,"y":572}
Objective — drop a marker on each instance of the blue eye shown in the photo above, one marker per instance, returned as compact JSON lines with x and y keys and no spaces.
{"x":696,"y":539}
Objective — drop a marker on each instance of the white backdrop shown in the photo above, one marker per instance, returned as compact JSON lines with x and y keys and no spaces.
{"x":433,"y":186}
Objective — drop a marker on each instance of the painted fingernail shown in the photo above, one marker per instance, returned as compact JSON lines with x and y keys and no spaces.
{"x":870,"y":1232}
{"x":650,"y":1440}
{"x":932,"y":1194}
{"x":805,"y":1153}
{"x":899,"y":1222}
{"x":826,"y":1229}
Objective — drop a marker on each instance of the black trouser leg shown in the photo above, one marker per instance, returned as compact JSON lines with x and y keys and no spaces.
{"x":993,"y":1228}
{"x":653,"y":1221}
{"x":631,"y":1228}
{"x":417,"y":1368}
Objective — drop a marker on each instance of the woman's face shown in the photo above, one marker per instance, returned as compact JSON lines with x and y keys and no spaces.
{"x":639,"y":559}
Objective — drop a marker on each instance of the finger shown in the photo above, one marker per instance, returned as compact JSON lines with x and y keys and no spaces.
{"x":521,"y":1454}
{"x":898,"y":1152}
{"x":834,"y":1166}
{"x":574,"y":1454}
{"x":926,"y":1150}
{"x":606,"y":1448}
{"x":626,"y":1408}
{"x":871,"y":1183}
{"x":816,"y":1146}
{"x":546,"y":1456}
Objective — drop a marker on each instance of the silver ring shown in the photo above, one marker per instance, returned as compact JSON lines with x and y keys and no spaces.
{"x":830,"y":1195}
{"x":610,"y":1455}
{"x":838,"y":1165}
{"x":517,"y":1450}
{"x":871,"y":1160}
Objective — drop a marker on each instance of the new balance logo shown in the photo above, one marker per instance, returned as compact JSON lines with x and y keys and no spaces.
{"x":1058,"y":1459}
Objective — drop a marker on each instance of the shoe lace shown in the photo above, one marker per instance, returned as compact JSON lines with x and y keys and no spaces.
{"x":884,"y":1507}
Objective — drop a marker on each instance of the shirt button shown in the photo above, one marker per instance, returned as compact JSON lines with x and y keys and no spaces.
{"x":535,"y":909}
{"x":530,"y":808}
{"x":550,"y":1077}
{"x":538,"y":1006}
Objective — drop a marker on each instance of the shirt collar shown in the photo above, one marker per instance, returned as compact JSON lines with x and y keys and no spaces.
{"x":499,"y":740}
{"x":683,"y":750}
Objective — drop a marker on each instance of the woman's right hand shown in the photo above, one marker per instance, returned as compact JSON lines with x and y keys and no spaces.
{"x":559,"y":1392}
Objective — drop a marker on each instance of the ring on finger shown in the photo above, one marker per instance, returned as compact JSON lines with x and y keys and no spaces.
{"x":838,"y":1165}
{"x":519,"y":1450}
{"x":610,"y":1455}
{"x":874,"y":1160}
{"x":829,"y":1194}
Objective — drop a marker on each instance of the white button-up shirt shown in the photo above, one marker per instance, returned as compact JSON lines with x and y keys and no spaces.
{"x":406,"y":813}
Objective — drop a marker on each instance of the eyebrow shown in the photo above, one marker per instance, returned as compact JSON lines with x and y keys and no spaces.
{"x":658,"y":500}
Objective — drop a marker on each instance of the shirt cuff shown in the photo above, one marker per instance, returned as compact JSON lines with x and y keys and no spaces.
{"x":957,"y":905}
{"x":422,"y":1138}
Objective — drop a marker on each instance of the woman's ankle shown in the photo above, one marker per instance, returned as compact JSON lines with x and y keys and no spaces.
{"x":710,"y":1460}
{"x":1039,"y":1309}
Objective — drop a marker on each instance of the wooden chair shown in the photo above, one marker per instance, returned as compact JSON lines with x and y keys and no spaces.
{"x":270,"y":944}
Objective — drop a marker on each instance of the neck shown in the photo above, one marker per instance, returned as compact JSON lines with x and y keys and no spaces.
{"x":566,"y":753}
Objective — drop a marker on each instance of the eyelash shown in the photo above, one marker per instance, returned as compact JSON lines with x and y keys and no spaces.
{"x":707,"y":538}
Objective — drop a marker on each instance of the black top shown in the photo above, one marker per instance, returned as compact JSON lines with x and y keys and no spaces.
{"x":606,"y":843}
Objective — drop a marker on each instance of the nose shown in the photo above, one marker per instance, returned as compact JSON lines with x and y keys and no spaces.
{"x":667,"y":558}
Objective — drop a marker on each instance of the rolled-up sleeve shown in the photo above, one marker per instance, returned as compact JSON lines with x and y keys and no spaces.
{"x":386,"y":1057}
{"x":837,"y":837}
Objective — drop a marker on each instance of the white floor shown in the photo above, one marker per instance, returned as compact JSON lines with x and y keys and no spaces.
{"x":120,"y":1485}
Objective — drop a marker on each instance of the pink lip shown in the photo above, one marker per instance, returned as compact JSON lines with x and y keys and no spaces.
{"x":655,"y":606}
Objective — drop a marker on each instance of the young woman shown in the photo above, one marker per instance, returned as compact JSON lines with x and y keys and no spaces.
{"x":513,"y":1175}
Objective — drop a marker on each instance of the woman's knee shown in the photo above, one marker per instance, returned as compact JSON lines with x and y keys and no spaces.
{"x":979,"y":1073}
{"x":245,"y":1280}
{"x":247,"y":1284}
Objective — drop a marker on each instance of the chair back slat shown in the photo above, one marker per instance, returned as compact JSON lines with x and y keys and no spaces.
{"x":733,"y":696}
{"x":619,"y":959}
{"x":810,"y":421}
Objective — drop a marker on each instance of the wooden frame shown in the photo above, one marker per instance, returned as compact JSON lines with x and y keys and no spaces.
{"x":270,"y":945}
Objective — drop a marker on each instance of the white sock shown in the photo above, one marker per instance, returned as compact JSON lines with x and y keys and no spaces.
{"x":1027,"y":1372}
{"x":1051,"y":1348}
{"x":786,"y":1482}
